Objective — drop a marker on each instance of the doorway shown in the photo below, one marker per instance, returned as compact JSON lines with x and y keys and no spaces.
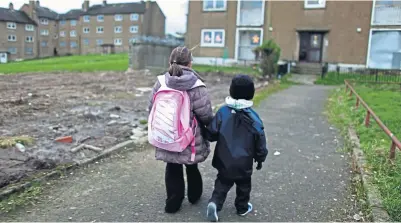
{"x":310,"y":47}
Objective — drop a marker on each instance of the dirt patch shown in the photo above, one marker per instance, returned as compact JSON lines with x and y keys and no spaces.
{"x":98,"y":109}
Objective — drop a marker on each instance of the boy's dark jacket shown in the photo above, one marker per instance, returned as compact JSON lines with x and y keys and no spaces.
{"x":240,"y":140}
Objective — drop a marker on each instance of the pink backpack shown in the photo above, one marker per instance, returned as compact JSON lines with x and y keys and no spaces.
{"x":169,"y":120}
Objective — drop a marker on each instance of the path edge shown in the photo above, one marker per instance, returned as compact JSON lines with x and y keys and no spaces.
{"x":18,"y":188}
{"x":374,"y":199}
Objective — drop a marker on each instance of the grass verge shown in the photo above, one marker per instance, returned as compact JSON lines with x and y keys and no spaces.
{"x":271,"y":89}
{"x":374,"y":142}
{"x":7,"y":142}
{"x":93,"y":63}
{"x":16,"y":200}
{"x":333,"y":78}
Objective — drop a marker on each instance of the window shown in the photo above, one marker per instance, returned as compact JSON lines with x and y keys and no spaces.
{"x":44,"y":21}
{"x":29,"y":27}
{"x":73,"y":33}
{"x":99,"y":41}
{"x":213,"y":38}
{"x":86,"y":42}
{"x":118,"y":17}
{"x":99,"y":29}
{"x":44,"y":32}
{"x":118,"y":29}
{"x":62,"y":33}
{"x":43,"y":43}
{"x":12,"y":50}
{"x":28,"y":50}
{"x":118,"y":42}
{"x":73,"y":22}
{"x":100,"y":18}
{"x":134,"y":29}
{"x":62,"y":44}
{"x":315,"y":4}
{"x":73,"y":44}
{"x":87,"y":18}
{"x":214,"y":5}
{"x":86,"y":30}
{"x":134,"y":17}
{"x":63,"y":22}
{"x":11,"y":25}
{"x":29,"y":39}
{"x":12,"y":38}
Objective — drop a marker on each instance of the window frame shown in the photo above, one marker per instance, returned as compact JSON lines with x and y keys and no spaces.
{"x":32,"y":39}
{"x":64,"y":44}
{"x":97,"y":18}
{"x":44,"y":21}
{"x":75,"y":22}
{"x":321,"y":5}
{"x":214,"y":9}
{"x":87,"y":18}
{"x":132,"y":18}
{"x":213,"y":31}
{"x":46,"y":34}
{"x":97,"y":42}
{"x":137,"y":29}
{"x":63,"y":22}
{"x":116,"y":27}
{"x":71,"y":33}
{"x":86,"y":30}
{"x":75,"y":45}
{"x":12,"y":39}
{"x":12,"y":52}
{"x":120,"y":16}
{"x":11,"y":25}
{"x":29,"y":25}
{"x":97,"y":29}
{"x":118,"y":44}
{"x":26,"y":52}
{"x":62,"y":33}
{"x":44,"y":41}
{"x":86,"y":40}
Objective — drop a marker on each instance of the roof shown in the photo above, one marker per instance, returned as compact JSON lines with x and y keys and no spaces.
{"x":72,"y":14}
{"x":43,"y":12}
{"x":14,"y":16}
{"x":120,"y":8}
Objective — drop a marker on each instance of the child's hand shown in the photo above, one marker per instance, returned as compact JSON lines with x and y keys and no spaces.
{"x":259,"y":166}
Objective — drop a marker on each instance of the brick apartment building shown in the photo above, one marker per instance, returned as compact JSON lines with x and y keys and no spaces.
{"x":348,"y":33}
{"x":37,"y":31}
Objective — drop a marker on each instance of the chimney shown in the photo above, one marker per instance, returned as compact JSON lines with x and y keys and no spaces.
{"x":85,"y":5}
{"x":31,"y":4}
{"x":148,"y":4}
{"x":11,"y":6}
{"x":37,"y":3}
{"x":104,"y":2}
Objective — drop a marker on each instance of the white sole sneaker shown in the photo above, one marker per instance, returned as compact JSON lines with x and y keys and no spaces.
{"x":250,"y":208}
{"x":212,"y":212}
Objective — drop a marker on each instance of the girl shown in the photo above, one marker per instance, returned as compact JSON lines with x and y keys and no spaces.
{"x":181,"y":77}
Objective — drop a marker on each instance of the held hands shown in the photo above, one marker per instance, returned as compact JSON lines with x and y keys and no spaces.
{"x":259,"y":166}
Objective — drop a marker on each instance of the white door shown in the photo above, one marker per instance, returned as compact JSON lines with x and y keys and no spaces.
{"x":3,"y":57}
{"x":247,"y":42}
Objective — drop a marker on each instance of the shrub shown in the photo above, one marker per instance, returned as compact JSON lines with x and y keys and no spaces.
{"x":269,"y":52}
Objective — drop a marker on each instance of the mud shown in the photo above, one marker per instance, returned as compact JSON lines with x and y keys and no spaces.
{"x":98,"y":109}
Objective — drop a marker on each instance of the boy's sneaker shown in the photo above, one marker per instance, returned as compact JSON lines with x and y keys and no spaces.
{"x":250,"y":207}
{"x":212,"y":212}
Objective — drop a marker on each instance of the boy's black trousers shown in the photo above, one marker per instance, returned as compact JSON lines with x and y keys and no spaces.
{"x":223,"y":185}
{"x":175,"y":185}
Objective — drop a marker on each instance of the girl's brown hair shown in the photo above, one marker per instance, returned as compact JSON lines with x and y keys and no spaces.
{"x":179,"y":56}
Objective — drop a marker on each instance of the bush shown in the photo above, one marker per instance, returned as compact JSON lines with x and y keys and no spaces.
{"x":269,"y":52}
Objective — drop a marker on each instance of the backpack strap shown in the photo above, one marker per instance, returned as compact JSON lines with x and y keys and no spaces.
{"x":162,"y":80}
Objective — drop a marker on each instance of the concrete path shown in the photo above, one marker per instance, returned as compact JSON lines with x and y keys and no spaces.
{"x":306,"y":177}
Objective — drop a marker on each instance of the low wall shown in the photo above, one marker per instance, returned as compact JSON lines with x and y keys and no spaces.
{"x":150,"y":54}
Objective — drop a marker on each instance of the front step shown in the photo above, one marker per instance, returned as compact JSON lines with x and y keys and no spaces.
{"x":307,"y":68}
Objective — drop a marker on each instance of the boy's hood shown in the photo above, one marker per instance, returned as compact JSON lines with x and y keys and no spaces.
{"x":238,"y":104}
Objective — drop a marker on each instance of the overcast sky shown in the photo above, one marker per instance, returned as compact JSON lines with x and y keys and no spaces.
{"x":173,"y":9}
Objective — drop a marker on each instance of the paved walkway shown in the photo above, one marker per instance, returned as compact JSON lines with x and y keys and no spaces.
{"x":308,"y":181}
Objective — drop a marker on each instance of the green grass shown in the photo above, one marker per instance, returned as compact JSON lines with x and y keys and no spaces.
{"x":92,"y":63}
{"x":271,"y":89}
{"x":8,"y":142}
{"x":87,"y":63}
{"x":385,"y":100}
{"x":332,"y":78}
{"x":20,"y":199}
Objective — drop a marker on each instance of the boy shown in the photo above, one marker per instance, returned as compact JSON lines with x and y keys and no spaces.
{"x":240,"y":137}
